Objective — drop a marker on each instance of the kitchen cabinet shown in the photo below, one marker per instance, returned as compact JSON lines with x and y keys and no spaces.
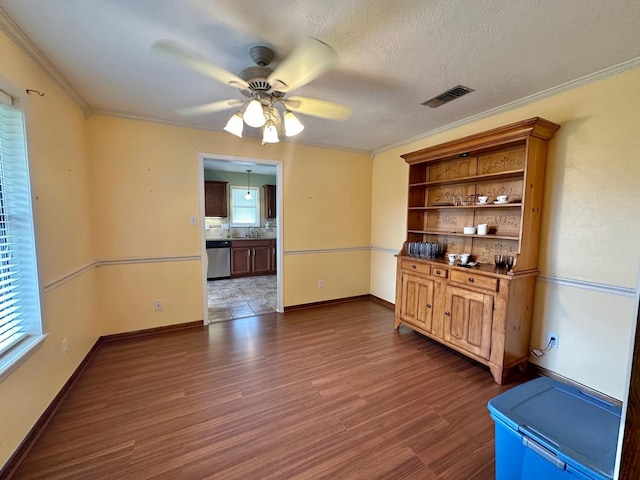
{"x":215,"y":198}
{"x":274,"y":257}
{"x":269,"y":200}
{"x":252,"y":257}
{"x":485,"y":311}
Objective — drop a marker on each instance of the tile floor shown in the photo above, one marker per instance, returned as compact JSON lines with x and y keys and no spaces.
{"x":241,"y":297}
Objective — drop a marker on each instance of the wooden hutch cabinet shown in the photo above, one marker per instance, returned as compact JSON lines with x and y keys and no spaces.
{"x":483,"y":311}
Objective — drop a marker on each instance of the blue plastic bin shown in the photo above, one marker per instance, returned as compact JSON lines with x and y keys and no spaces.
{"x":546,"y":430}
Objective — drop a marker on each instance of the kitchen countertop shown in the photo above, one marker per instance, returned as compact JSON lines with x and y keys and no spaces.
{"x":235,"y":239}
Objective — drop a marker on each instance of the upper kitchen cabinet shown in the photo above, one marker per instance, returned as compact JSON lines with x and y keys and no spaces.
{"x":269,"y":195}
{"x":215,"y":198}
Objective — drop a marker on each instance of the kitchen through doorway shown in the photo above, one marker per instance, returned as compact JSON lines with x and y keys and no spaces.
{"x":241,"y":210}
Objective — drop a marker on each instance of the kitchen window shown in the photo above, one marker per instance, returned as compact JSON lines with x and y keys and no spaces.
{"x":20,"y":318}
{"x":245,"y":212}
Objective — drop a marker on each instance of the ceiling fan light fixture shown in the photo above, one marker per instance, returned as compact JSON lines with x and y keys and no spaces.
{"x":234,"y":125}
{"x":254,"y":115}
{"x":270,"y":134}
{"x":292,"y":126}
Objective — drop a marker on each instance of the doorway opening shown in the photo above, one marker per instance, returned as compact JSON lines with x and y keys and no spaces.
{"x":251,"y":284}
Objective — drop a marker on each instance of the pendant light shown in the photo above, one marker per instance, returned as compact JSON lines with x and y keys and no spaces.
{"x":248,"y":196}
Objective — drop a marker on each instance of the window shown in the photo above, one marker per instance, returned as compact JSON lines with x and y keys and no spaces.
{"x":245,"y":212}
{"x":20,"y":320}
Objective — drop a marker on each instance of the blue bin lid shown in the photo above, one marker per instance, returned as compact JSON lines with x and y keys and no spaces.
{"x":580,"y":429}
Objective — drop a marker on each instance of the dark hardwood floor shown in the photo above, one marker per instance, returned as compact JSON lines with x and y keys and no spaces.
{"x":331,"y":392}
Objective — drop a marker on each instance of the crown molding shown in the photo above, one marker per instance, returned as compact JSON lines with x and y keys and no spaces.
{"x":12,"y":30}
{"x":550,"y":92}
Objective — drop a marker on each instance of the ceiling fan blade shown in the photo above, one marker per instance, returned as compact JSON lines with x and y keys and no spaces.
{"x":196,"y":61}
{"x":317,"y":108}
{"x":210,"y":107}
{"x":308,"y":61}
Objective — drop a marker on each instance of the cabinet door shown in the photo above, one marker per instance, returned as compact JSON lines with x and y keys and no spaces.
{"x":274,"y":258}
{"x":240,"y":261}
{"x":417,"y":301}
{"x":215,"y":198}
{"x":269,"y":193}
{"x":467,"y":320}
{"x":261,"y":260}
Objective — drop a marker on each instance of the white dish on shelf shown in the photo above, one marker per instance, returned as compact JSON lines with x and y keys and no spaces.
{"x":500,"y":203}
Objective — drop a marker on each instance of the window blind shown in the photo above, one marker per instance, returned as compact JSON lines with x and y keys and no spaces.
{"x":19,"y":293}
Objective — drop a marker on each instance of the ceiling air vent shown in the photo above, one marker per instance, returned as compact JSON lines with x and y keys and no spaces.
{"x":451,"y":94}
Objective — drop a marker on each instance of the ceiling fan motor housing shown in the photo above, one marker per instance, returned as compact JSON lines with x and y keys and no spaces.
{"x":257,"y":76}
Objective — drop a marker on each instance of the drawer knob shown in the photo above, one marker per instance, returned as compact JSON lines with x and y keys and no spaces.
{"x":413,"y":266}
{"x":470,"y":279}
{"x":437,"y":272}
{"x":448,"y":314}
{"x":428,"y":305}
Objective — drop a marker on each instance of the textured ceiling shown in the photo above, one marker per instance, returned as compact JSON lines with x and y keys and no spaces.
{"x":394,"y":54}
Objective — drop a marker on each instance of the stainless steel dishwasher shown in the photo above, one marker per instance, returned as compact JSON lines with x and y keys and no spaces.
{"x":219,"y":259}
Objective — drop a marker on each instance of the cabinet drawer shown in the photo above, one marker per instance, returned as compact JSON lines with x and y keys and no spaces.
{"x":416,"y":267}
{"x":479,"y":281}
{"x":440,"y":272}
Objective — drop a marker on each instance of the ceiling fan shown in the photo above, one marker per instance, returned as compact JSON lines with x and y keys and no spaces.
{"x":264,"y":88}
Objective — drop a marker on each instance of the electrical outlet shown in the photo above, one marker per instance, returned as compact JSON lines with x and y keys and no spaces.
{"x":553,"y":340}
{"x":320,"y":283}
{"x":65,"y":346}
{"x":157,"y":305}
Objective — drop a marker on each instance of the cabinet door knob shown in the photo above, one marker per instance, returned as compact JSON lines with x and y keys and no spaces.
{"x":448,"y":314}
{"x":470,"y":280}
{"x":428,"y":305}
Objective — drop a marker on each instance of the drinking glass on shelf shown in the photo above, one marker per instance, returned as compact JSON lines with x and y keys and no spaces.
{"x":510,"y":262}
{"x":500,"y":260}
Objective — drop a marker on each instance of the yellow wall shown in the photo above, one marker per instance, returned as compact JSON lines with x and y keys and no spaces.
{"x":589,"y":249}
{"x":145,"y":187}
{"x":62,"y":213}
